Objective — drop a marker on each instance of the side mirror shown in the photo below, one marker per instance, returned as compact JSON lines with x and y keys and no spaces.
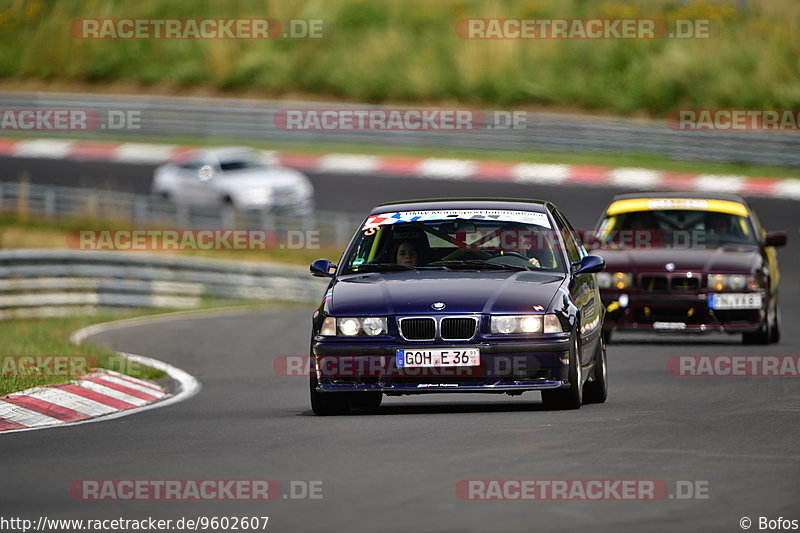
{"x":322,"y":268}
{"x":590,"y":264}
{"x":775,"y":238}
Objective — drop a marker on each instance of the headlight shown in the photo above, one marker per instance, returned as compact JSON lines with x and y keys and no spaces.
{"x":614,"y":280}
{"x":352,"y":326}
{"x":604,"y":280}
{"x":525,"y":324}
{"x":373,"y":325}
{"x":730,"y":282}
{"x":349,"y":326}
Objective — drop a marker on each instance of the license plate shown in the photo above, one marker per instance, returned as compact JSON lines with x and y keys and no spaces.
{"x":438,"y":357}
{"x":669,"y":325}
{"x":750,"y":300}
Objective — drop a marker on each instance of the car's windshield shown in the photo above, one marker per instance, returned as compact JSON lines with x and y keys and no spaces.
{"x":675,"y":228}
{"x":457,"y":240}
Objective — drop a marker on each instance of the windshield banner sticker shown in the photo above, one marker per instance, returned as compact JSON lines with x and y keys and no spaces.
{"x":499,"y":215}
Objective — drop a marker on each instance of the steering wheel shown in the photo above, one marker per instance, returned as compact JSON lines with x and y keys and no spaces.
{"x":459,"y":253}
{"x":512,"y":253}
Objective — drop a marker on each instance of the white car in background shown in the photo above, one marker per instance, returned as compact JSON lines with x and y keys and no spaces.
{"x":240,"y":177}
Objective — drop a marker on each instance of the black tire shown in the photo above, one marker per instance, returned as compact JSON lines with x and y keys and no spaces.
{"x":765,"y":332}
{"x":597,"y":391}
{"x":328,"y":403}
{"x":366,"y":400}
{"x":571,"y":398}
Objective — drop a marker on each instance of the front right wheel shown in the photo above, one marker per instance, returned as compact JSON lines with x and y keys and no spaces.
{"x":328,"y":403}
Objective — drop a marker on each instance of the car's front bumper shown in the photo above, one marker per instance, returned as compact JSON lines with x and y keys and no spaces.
{"x":676,"y":313}
{"x":507,"y":367}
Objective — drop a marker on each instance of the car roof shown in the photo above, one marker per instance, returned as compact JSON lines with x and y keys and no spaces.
{"x":673,"y":194}
{"x":516,"y":204}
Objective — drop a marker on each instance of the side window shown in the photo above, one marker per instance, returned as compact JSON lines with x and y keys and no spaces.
{"x":761,"y":233}
{"x":575,"y":250}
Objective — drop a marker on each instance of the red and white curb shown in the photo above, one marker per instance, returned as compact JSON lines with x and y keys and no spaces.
{"x":96,"y":394}
{"x":100,"y":395}
{"x":432,"y":168}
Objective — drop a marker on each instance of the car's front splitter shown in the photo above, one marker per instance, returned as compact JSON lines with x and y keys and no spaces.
{"x":426,"y":388}
{"x":670,"y":314}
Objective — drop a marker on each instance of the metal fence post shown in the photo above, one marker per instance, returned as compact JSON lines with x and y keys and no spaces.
{"x":140,"y":210}
{"x":228,"y":217}
{"x":182,"y":215}
{"x":49,"y":203}
{"x":23,"y":194}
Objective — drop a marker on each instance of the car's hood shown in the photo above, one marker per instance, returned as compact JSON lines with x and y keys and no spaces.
{"x":413,"y":292}
{"x":261,"y":178}
{"x":726,"y":259}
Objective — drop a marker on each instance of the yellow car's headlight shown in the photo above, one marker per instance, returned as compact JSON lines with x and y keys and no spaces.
{"x":614,"y":280}
{"x":730,"y":282}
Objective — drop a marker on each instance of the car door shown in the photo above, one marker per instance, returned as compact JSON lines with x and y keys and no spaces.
{"x":583,"y":289}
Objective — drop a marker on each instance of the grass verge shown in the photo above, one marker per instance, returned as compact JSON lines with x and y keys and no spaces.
{"x":16,"y":232}
{"x":409,"y":51}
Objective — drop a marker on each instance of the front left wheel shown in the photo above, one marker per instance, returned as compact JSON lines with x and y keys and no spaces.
{"x":770,"y":329}
{"x":596,"y":391}
{"x":572,"y":397}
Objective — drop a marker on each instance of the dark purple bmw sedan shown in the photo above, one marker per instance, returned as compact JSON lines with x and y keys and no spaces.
{"x":459,"y":295}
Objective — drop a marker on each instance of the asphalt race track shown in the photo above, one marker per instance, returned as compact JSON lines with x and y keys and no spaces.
{"x":396,"y":469}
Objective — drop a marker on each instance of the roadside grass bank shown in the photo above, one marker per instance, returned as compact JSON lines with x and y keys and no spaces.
{"x":32,"y":232}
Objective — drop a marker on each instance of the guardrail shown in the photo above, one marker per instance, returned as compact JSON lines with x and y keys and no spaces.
{"x":37,"y":282}
{"x":254,"y":120}
{"x":52,"y":202}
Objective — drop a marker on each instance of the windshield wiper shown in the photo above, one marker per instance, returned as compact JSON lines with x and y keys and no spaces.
{"x":476,"y":264}
{"x":381,"y":267}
